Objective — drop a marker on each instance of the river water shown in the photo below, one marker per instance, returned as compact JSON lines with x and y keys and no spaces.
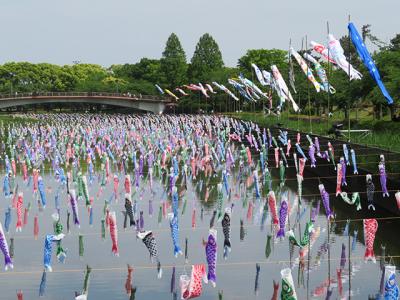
{"x":235,"y":276}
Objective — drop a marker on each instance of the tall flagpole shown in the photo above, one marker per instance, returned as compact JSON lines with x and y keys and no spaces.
{"x":348,"y":103}
{"x":308,"y":92}
{"x":329,"y":65}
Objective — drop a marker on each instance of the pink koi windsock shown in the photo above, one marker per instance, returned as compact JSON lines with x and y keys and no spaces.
{"x":116,"y":182}
{"x":24,"y":171}
{"x":276,"y":157}
{"x":26,"y":212}
{"x":36,"y":228}
{"x":272,"y":207}
{"x":397,"y":195}
{"x":127,"y":184}
{"x":370,"y":228}
{"x":339,"y":179}
{"x":298,"y":138}
{"x":163,"y":159}
{"x":302,"y":164}
{"x":193,"y":165}
{"x":250,"y":211}
{"x":20,"y":202}
{"x":14,"y":167}
{"x":107,"y":167}
{"x":194,"y":218}
{"x":288,"y":147}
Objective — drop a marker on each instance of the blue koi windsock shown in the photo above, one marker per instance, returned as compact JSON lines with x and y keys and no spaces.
{"x":353,"y":160}
{"x":7,"y":220}
{"x":176,"y":167}
{"x":174,"y":225}
{"x":225,"y":179}
{"x":48,"y":249}
{"x":262,"y":163}
{"x":57,"y":200}
{"x":264,"y":137}
{"x":175,"y":201}
{"x":6,"y":186}
{"x":42,"y":191}
{"x":300,"y":151}
{"x":256,"y":184}
{"x":346,"y":154}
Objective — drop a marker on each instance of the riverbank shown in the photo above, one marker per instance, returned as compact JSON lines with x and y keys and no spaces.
{"x":384,"y":134}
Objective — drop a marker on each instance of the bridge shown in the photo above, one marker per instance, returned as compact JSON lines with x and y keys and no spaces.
{"x":148,"y":103}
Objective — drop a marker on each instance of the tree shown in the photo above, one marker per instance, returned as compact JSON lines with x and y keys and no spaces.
{"x":395,"y":43}
{"x":264,"y":59}
{"x":173,"y":62}
{"x":207,"y":58}
{"x":145,"y":69}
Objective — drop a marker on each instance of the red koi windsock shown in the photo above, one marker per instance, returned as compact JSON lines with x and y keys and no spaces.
{"x":35,"y":180}
{"x":370,"y":228}
{"x":272,"y":207}
{"x":20,"y":202}
{"x":13,"y":166}
{"x":249,"y":160}
{"x":113,"y":232}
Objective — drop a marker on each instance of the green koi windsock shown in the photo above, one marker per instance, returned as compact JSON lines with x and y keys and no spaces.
{"x":288,"y":292}
{"x":355,"y":199}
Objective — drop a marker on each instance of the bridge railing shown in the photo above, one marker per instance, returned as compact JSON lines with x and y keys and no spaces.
{"x":83,"y":94}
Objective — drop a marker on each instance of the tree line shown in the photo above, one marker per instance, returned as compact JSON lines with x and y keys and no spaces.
{"x":206,"y":65}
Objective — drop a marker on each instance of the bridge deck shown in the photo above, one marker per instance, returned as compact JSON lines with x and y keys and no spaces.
{"x":97,"y":95}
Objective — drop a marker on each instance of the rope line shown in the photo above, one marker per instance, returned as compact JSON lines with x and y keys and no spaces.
{"x":230,"y":264}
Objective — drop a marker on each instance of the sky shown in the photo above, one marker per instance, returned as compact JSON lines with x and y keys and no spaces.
{"x":110,"y":32}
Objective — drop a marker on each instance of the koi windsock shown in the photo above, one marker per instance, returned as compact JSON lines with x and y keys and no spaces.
{"x":306,"y":69}
{"x":339,"y":179}
{"x":283,"y":212}
{"x":325,"y":201}
{"x":174,"y":225}
{"x":272,"y":207}
{"x":48,"y":249}
{"x":370,"y":228}
{"x":337,"y":53}
{"x":325,"y":86}
{"x":4,"y":248}
{"x":20,"y":203}
{"x":192,"y":287}
{"x":113,"y":232}
{"x":282,"y":89}
{"x":211,"y":255}
{"x":149,"y":241}
{"x":288,"y":289}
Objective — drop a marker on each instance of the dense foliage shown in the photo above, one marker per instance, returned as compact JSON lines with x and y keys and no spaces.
{"x":206,"y":65}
